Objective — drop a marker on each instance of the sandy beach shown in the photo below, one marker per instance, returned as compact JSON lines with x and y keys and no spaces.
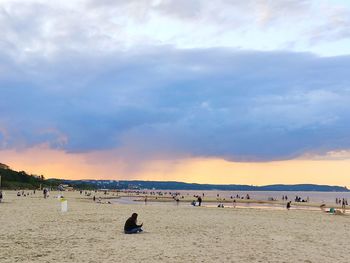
{"x":33,"y":229}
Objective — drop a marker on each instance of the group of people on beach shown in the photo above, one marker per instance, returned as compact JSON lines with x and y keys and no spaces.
{"x":246,"y":197}
{"x":198,"y":202}
{"x":298,"y":199}
{"x":341,"y":201}
{"x":131,"y":226}
{"x":23,"y":193}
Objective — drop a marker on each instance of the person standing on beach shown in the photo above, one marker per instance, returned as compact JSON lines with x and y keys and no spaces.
{"x":288,"y":205}
{"x":343,"y":205}
{"x":1,"y":196}
{"x":131,"y":226}
{"x":199,"y":199}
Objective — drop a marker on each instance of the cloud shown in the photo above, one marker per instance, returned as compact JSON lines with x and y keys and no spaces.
{"x":342,"y":155}
{"x":335,"y":27}
{"x":48,"y":28}
{"x":170,"y":103}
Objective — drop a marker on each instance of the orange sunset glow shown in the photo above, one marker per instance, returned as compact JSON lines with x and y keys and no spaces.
{"x":101,"y":165}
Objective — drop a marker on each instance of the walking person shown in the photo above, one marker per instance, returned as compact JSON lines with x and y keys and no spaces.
{"x":343,"y":207}
{"x":288,"y":205}
{"x":199,"y":199}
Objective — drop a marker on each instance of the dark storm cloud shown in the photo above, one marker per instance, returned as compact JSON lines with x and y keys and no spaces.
{"x":238,"y":105}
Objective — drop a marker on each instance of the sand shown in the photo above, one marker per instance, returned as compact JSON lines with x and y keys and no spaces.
{"x":32,"y":229}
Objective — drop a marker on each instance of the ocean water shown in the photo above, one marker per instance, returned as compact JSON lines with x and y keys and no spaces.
{"x":313,"y":197}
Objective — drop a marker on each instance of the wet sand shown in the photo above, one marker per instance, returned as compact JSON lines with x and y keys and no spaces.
{"x":32,"y":229}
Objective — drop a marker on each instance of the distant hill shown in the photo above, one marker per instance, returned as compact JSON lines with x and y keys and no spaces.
{"x":170,"y":185}
{"x":11,"y":179}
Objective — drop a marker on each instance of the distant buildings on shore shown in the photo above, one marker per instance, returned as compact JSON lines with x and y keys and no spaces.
{"x":65,"y":187}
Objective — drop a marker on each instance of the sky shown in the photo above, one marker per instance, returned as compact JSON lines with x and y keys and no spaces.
{"x":248,"y":92}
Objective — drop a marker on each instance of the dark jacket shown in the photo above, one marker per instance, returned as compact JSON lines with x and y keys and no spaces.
{"x":130,"y":224}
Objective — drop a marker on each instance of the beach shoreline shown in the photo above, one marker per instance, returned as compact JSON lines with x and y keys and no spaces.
{"x":33,"y":229}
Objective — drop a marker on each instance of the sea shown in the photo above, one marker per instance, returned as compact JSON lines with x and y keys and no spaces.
{"x":328,"y":198}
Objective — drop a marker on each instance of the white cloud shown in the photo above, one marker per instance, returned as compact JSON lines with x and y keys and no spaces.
{"x":47,"y":27}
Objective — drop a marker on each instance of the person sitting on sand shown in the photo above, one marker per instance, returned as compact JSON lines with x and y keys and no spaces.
{"x":331,"y":210}
{"x":131,"y":226}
